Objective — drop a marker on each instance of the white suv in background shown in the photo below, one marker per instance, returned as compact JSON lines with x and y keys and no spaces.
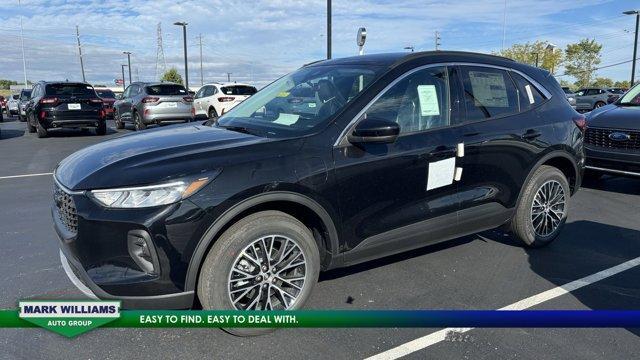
{"x":215,"y":99}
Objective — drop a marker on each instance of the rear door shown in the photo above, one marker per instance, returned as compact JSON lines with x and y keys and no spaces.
{"x":402,"y":195}
{"x":503,"y":135}
{"x":124,"y":104}
{"x":199,"y":101}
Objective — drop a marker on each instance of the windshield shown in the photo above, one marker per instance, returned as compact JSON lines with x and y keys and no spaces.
{"x":632,"y":97}
{"x":168,"y":89}
{"x":15,"y":97}
{"x":106,"y":94}
{"x":616,"y":91}
{"x":63,"y":90}
{"x":238,"y":90}
{"x":296,"y":103}
{"x":25,"y":94}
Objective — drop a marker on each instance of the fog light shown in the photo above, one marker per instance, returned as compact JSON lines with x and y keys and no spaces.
{"x":142,"y":251}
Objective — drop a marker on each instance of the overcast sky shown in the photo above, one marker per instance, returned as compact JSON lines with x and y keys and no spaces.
{"x":258,"y":41}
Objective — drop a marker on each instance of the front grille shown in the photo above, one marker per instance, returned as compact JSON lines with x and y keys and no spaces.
{"x":66,"y":209}
{"x":600,"y":137}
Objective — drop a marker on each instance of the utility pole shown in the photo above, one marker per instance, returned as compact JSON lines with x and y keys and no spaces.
{"x":504,"y":24}
{"x":438,"y":40}
{"x":229,"y":77}
{"x":123,"y":82}
{"x":80,"y":52}
{"x":201,"y":73}
{"x":328,"y":29}
{"x":184,"y":40}
{"x":635,"y":43}
{"x":128,"y":53}
{"x":24,"y":60}
{"x":161,"y":63}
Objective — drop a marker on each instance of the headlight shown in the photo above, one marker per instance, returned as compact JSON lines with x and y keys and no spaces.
{"x":147,"y":196}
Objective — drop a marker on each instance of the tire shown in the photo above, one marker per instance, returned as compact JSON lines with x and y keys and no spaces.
{"x":541,"y":229}
{"x":102,"y":128}
{"x":118,"y":121}
{"x":137,"y":122}
{"x":42,"y":132}
{"x":21,"y":118}
{"x":212,"y":113}
{"x":214,"y":280}
{"x":599,"y":104}
{"x":30,"y":127}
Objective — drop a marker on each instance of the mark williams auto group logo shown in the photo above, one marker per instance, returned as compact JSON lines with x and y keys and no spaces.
{"x":69,"y":318}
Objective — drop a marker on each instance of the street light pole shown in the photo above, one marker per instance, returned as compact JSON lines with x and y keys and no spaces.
{"x":328,"y":29}
{"x":635,"y":43}
{"x":123,"y":82}
{"x":24,"y":60}
{"x":129,"y":66}
{"x":184,"y":40}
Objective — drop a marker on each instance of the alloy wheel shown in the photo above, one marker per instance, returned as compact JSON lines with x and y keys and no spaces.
{"x":269,"y":274}
{"x":548,"y":208}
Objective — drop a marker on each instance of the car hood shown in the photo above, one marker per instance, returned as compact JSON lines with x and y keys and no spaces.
{"x":150,"y":157}
{"x":615,"y":116}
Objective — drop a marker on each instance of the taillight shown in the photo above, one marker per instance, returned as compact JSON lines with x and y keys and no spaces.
{"x":193,"y":111}
{"x":49,"y":100}
{"x":187,"y":99}
{"x":581,"y":122}
{"x":42,"y":115}
{"x":225,"y":99}
{"x":150,"y":99}
{"x":102,"y":114}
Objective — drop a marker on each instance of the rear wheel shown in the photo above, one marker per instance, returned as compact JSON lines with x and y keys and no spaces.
{"x":543,"y":206}
{"x":102,"y":128}
{"x":137,"y":122}
{"x":212,"y":113}
{"x":267,"y":261}
{"x":599,"y":104}
{"x":42,"y":132}
{"x":30,"y":127}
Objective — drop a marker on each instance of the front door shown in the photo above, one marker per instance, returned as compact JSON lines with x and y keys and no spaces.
{"x":392,"y":195}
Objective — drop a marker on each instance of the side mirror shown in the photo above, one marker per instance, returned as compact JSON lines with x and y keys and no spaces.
{"x":374,"y":130}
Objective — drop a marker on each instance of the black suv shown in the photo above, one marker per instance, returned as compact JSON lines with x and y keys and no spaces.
{"x":612,"y":139}
{"x":64,"y":105}
{"x":403,"y":150}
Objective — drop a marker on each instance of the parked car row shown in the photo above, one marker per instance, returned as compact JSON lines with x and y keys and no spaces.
{"x":592,"y":98}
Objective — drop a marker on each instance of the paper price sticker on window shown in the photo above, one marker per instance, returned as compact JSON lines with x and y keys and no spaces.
{"x":428,"y":100}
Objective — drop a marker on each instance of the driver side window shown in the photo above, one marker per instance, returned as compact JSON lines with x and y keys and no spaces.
{"x":418,"y":102}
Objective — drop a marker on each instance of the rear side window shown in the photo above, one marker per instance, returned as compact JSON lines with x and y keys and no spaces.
{"x":106,"y":93}
{"x":25,"y":95}
{"x":166,"y":90}
{"x":529,"y":95}
{"x":64,"y":90}
{"x":488,"y":93}
{"x":238,"y":90}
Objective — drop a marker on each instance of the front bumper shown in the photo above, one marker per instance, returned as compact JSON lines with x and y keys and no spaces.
{"x":621,"y":162}
{"x":99,"y":258}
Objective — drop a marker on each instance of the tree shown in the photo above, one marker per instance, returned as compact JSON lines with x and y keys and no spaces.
{"x":622,"y":84}
{"x":567,"y":83}
{"x":547,"y":57}
{"x":172,"y":75}
{"x":581,"y":60}
{"x":5,"y":84}
{"x":602,"y":82}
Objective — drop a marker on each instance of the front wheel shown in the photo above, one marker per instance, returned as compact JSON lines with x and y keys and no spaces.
{"x":599,"y":104}
{"x":543,"y":206}
{"x":118,"y":121}
{"x":212,"y":113}
{"x":30,"y":127}
{"x":267,"y":261}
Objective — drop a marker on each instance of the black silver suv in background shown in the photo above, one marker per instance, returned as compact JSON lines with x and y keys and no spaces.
{"x":153,"y":103}
{"x":612,"y":138}
{"x":56,"y":105}
{"x":404,"y":150}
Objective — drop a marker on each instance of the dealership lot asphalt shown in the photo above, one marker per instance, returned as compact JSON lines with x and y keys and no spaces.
{"x":484,"y":271}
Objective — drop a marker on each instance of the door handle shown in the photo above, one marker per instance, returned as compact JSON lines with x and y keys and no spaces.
{"x":531,"y":134}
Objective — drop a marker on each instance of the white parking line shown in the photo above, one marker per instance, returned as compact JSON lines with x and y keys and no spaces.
{"x":25,"y":175}
{"x":441,"y":335}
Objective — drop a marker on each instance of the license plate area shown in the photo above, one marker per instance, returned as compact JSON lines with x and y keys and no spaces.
{"x":73,"y":106}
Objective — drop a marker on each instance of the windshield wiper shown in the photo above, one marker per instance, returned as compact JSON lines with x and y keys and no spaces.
{"x":240,"y":129}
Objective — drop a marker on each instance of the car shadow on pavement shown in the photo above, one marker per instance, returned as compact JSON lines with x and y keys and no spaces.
{"x":76,"y":132}
{"x":10,"y":133}
{"x":584,"y":248}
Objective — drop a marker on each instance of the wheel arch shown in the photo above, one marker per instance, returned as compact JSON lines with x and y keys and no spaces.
{"x":302,"y":207}
{"x":564,"y":162}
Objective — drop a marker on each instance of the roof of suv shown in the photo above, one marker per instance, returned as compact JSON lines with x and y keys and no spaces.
{"x":395,"y":59}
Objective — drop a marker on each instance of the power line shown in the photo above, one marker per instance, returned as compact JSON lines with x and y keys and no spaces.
{"x":599,"y":68}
